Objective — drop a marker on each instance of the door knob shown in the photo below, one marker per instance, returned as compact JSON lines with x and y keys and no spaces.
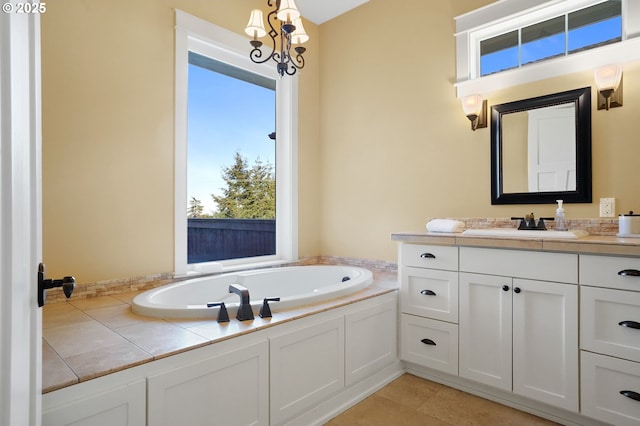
{"x":67,"y":284}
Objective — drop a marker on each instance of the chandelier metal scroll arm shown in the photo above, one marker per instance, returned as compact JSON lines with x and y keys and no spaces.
{"x":256,"y":53}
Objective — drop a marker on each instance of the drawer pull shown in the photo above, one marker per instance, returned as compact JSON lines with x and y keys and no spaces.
{"x":630,"y":324}
{"x":428,"y":293}
{"x":631,"y":394}
{"x":428,"y":256}
{"x":428,"y":342}
{"x":629,"y":273}
{"x":517,"y":290}
{"x":505,"y":287}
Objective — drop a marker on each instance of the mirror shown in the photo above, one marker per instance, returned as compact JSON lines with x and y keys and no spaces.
{"x":541,"y":149}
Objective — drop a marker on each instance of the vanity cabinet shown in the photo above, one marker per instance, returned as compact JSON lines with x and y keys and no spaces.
{"x":610,"y":338}
{"x":520,"y":335}
{"x":429,"y":305}
{"x":518,"y":332}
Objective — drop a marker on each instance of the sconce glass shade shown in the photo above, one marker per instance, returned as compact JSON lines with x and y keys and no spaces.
{"x":299,"y":36}
{"x":255,"y":27}
{"x":288,"y":11}
{"x":608,"y":77}
{"x":475,"y":108}
{"x":472,"y":105}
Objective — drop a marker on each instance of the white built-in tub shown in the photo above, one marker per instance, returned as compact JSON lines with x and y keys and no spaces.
{"x":294,"y":285}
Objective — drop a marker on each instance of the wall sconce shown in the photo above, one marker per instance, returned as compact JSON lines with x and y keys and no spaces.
{"x":609,"y":84}
{"x":475,"y":108}
{"x":286,"y":28}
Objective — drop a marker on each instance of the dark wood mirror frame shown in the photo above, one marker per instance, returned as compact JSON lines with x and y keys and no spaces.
{"x":581,"y":98}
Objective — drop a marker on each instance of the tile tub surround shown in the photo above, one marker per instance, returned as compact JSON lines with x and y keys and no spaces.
{"x":92,"y":337}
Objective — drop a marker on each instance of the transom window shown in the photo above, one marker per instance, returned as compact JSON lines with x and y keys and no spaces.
{"x":512,"y":42}
{"x":572,"y":32}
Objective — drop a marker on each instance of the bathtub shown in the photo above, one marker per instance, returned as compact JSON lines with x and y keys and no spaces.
{"x":294,"y":285}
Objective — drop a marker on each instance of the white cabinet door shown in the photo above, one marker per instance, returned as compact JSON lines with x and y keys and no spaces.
{"x":229,"y":389}
{"x":307,"y":367}
{"x":545,"y":342}
{"x":121,"y":406}
{"x":371,"y":340}
{"x":485,"y":329}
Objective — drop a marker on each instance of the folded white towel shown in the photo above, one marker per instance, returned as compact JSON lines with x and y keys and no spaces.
{"x":445,"y":225}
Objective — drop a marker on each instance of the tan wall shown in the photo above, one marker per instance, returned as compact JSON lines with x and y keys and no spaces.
{"x":396,"y":146}
{"x":383,"y":140}
{"x":108,"y":114}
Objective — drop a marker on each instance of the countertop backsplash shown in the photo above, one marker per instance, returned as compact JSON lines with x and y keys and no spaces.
{"x":598,"y":226}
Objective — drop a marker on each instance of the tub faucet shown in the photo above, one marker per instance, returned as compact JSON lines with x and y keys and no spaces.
{"x":244,"y":310}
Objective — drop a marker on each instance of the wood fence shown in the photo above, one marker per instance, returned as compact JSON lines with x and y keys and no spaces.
{"x":221,"y":239}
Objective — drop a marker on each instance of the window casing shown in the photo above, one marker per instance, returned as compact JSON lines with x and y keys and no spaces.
{"x":206,"y":39}
{"x":506,"y":24}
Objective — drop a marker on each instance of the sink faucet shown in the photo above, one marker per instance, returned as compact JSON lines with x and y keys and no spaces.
{"x":244,"y":310}
{"x":528,"y":222}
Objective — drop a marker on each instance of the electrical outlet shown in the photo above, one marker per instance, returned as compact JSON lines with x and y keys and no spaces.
{"x":607,"y":207}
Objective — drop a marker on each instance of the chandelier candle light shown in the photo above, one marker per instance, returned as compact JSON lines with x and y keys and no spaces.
{"x":285,"y":17}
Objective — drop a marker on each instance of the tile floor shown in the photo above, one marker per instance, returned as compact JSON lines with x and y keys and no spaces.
{"x":411,"y":400}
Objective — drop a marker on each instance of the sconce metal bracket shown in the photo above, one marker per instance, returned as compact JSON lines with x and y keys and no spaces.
{"x":615,"y":99}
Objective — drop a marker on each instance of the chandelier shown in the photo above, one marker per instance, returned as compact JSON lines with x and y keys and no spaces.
{"x":286,"y":29}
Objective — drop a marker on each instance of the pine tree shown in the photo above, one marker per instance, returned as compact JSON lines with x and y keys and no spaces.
{"x":195,"y":208}
{"x":250,"y":192}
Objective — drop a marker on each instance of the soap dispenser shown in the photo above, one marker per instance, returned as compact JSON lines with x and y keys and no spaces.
{"x":559,"y":222}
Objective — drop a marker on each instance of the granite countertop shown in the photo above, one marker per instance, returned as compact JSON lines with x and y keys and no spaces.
{"x":92,"y":337}
{"x":592,"y":244}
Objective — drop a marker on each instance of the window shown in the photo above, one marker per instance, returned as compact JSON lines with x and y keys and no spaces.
{"x":512,"y":42}
{"x":235,"y":201}
{"x":230,"y":162}
{"x":583,"y":29}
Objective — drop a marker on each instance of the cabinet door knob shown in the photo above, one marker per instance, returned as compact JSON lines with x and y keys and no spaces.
{"x":630,"y":324}
{"x":428,"y":293}
{"x":517,"y":290}
{"x":428,"y":342}
{"x":631,"y":394}
{"x":427,"y":256}
{"x":629,"y":273}
{"x":505,"y":287}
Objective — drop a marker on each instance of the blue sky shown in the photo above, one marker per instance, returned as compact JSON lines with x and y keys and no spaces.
{"x":225,"y":116}
{"x":578,"y":38}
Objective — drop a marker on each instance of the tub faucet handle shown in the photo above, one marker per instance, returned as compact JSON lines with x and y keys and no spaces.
{"x":265,"y":310}
{"x":223,"y":315}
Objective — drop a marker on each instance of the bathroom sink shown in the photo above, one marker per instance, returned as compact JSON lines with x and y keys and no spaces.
{"x":525,"y":233}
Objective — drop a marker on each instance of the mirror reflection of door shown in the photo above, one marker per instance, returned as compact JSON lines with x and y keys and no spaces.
{"x":552,"y":149}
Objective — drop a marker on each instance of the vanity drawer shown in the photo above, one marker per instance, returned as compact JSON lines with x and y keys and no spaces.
{"x":429,"y":343}
{"x":610,"y":271}
{"x":602,"y":380}
{"x":429,"y":256}
{"x":429,"y":293}
{"x":534,"y":265}
{"x":603,"y":316}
